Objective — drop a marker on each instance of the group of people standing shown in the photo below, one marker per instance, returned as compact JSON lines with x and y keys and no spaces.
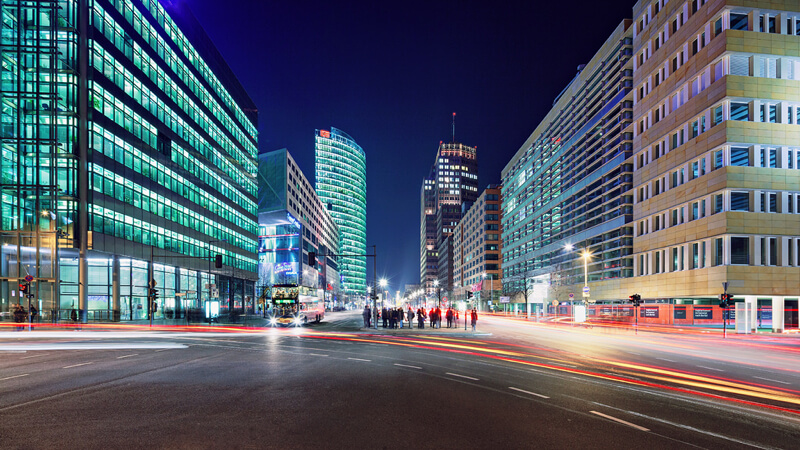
{"x":394,"y":317}
{"x":21,"y":316}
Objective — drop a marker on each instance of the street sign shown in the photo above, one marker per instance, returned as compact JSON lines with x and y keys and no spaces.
{"x":555,"y":302}
{"x":571,"y":295}
{"x":505,"y":299}
{"x":586,"y":291}
{"x":28,"y":278}
{"x":153,"y":284}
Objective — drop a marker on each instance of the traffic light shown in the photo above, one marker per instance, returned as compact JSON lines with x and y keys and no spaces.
{"x":153,"y":296}
{"x":725,"y":300}
{"x":23,"y":289}
{"x":469,"y":295}
{"x":312,"y":259}
{"x":636,"y":299}
{"x":218,"y":261}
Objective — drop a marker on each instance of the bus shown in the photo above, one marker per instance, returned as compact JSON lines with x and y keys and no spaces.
{"x":290,"y":307}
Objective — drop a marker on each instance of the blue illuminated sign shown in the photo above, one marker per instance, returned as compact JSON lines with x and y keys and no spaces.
{"x":292,"y":220}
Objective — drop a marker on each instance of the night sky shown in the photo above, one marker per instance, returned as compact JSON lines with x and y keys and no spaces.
{"x":390,"y":74}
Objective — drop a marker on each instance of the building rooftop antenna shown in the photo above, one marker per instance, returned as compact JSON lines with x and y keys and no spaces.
{"x":454,"y":128}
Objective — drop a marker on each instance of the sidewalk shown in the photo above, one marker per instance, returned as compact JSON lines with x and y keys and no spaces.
{"x":443,"y":331}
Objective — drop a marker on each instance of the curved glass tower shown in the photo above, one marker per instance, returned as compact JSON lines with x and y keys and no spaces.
{"x":341,"y":177}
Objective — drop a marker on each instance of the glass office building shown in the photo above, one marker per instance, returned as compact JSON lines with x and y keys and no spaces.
{"x":128,"y":154}
{"x":569,"y":188}
{"x":341,"y":184}
{"x":293,"y":223}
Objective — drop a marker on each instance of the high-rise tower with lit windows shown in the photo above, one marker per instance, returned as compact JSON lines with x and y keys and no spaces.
{"x":341,"y":183}
{"x":129,"y":155}
{"x":451,"y":184}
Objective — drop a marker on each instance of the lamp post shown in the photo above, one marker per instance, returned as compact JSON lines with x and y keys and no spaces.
{"x":382,"y":283}
{"x":586,"y":255}
{"x":209,"y":268}
{"x":438,"y":293}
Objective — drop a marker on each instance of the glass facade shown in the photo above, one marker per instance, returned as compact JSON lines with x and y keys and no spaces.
{"x":293,"y":223}
{"x":341,"y":184}
{"x":570,"y":184}
{"x":124,"y":158}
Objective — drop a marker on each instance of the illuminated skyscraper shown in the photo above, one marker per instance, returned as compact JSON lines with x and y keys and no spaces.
{"x":341,"y":181}
{"x":129,"y":155}
{"x":447,"y":193}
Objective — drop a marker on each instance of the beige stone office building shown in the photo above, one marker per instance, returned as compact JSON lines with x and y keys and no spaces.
{"x":477,"y":246}
{"x":716,"y":138}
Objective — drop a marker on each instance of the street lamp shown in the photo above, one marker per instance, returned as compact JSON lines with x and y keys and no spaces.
{"x":586,"y":255}
{"x":438,"y":293}
{"x":382,"y":283}
{"x":209,"y":265}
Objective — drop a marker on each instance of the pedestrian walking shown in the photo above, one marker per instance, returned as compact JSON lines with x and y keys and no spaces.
{"x":432,"y":317}
{"x":438,"y":317}
{"x":474,"y":317}
{"x":385,"y":317}
{"x":410,"y":316}
{"x":421,"y":318}
{"x":392,"y":318}
{"x":401,"y":316}
{"x":449,"y":316}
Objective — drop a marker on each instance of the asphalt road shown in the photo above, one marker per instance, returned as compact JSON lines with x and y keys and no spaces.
{"x":512,"y":384}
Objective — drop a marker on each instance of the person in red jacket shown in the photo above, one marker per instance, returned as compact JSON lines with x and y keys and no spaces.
{"x":474,"y":317}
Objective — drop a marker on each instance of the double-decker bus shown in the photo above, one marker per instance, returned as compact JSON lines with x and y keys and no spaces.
{"x":292,"y":308}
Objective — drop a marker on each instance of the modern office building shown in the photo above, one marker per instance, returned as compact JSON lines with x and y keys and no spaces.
{"x":717,"y":163}
{"x":129,"y":155}
{"x":428,"y":252}
{"x":570,"y":186}
{"x":292,"y":222}
{"x":341,"y":184}
{"x":477,"y":246}
{"x":453,"y":181}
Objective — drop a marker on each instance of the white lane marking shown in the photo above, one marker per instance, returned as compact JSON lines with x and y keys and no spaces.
{"x":14,"y":376}
{"x":685,"y":427}
{"x":774,"y":381}
{"x":127,"y":356}
{"x":527,"y":392}
{"x":316,"y":354}
{"x":620,"y":421}
{"x":162,"y":350}
{"x":76,"y":365}
{"x":359,"y":359}
{"x":462,"y":376}
{"x":711,"y":368}
{"x":35,"y":356}
{"x":405,"y":365}
{"x":665,"y":359}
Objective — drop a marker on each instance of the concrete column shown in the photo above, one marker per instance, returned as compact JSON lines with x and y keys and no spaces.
{"x":115,"y":308}
{"x":83,"y":156}
{"x":752,"y":301}
{"x":777,"y":315}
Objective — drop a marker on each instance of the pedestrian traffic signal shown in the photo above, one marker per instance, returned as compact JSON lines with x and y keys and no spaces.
{"x":23,"y":288}
{"x":636,"y":299}
{"x":218,"y":261}
{"x":469,"y":295}
{"x":312,"y":259}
